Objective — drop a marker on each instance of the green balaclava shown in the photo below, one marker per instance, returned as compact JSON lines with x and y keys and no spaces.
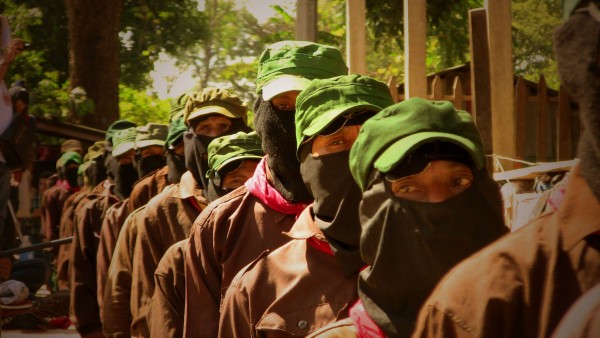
{"x":226,"y":154}
{"x":423,"y":240}
{"x":325,"y":107}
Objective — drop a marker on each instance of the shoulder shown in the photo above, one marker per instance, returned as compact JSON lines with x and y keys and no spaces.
{"x":222,"y":208}
{"x":340,"y":329}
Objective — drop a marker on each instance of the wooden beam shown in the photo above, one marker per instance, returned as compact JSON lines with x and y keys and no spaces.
{"x":542,"y":126}
{"x":501,"y":78}
{"x":306,"y":20}
{"x":480,"y":78}
{"x":415,"y":52}
{"x":564,"y":126}
{"x":356,"y":36}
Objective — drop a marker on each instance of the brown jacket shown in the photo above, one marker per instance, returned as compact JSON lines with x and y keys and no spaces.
{"x":51,"y":210}
{"x":167,"y":220}
{"x":290,"y":292}
{"x":86,"y":236}
{"x":230,"y":233}
{"x":165,"y":312}
{"x":522,"y":285}
{"x":147,"y":187}
{"x":116,"y":310}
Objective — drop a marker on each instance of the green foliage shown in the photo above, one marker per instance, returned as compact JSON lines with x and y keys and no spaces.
{"x":139,"y":107}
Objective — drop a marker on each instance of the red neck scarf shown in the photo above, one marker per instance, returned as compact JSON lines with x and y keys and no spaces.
{"x":365,"y":326}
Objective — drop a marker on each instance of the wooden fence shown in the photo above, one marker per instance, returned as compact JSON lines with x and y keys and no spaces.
{"x":547,"y":125}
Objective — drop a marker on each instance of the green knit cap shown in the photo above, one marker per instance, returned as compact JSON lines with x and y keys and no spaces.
{"x":391,"y":135}
{"x":211,"y":100}
{"x":118,"y":125}
{"x":123,"y":141}
{"x":69,"y":156}
{"x":225,"y":149}
{"x":323,"y":101}
{"x":176,"y":130}
{"x":152,"y":134}
{"x":289,"y":65}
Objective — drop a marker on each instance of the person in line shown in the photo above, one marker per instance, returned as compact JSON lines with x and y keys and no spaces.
{"x":310,"y":281}
{"x":428,"y":203}
{"x":524,"y":284}
{"x":232,"y":160}
{"x":236,"y":228}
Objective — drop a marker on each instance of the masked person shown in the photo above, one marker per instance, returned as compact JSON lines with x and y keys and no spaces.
{"x":252,"y":218}
{"x":428,"y":203}
{"x":310,"y":281}
{"x":232,"y":160}
{"x":55,"y":197}
{"x":168,"y":218}
{"x":150,"y":164}
{"x":175,"y":150}
{"x":522,"y":285}
{"x":88,"y":222}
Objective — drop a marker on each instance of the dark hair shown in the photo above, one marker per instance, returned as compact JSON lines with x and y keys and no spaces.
{"x":18,"y":93}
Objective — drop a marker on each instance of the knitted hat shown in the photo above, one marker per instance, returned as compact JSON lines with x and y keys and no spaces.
{"x":176,"y":130}
{"x":226,"y":149}
{"x":71,"y":145}
{"x":323,"y":101}
{"x":390,"y":136}
{"x":152,"y":134}
{"x":289,"y":65}
{"x":211,"y":100}
{"x":118,"y":125}
{"x":123,"y":141}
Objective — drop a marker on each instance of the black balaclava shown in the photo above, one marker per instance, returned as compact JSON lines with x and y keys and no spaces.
{"x":577,"y":48}
{"x":277,"y":131}
{"x":96,"y":172}
{"x":70,"y":174}
{"x":337,"y":196}
{"x":176,"y":166}
{"x":215,"y":190}
{"x":195,"y":148}
{"x":410,"y":245}
{"x":125,"y":175}
{"x":148,"y":164}
{"x":110,"y":163}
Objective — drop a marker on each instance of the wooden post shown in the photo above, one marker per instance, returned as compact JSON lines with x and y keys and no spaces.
{"x":393,"y":86}
{"x":356,"y":36}
{"x":480,"y":78}
{"x":437,"y":88}
{"x":542,"y":126}
{"x":520,"y":120}
{"x":306,"y":20}
{"x":415,"y":53}
{"x":457,"y":93}
{"x":564,"y":127}
{"x":501,"y":79}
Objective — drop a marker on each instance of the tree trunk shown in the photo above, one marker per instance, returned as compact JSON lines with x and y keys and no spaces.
{"x":94,"y":55}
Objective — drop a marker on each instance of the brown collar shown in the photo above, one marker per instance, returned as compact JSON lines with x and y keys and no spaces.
{"x":187,"y":189}
{"x":305,"y":226}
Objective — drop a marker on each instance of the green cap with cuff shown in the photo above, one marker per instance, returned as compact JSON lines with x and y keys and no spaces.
{"x":176,"y":130}
{"x":123,"y":141}
{"x":324,"y":101}
{"x":226,"y":149}
{"x":152,"y":134}
{"x":178,"y":107}
{"x":117,"y":125}
{"x":387,"y":138}
{"x":290,"y":65}
{"x":211,"y":100}
{"x":96,"y":150}
{"x":69,"y":156}
{"x":71,"y":145}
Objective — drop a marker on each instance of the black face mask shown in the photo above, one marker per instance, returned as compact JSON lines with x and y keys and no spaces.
{"x":277,"y":131}
{"x":110,"y":163}
{"x":149,"y":164}
{"x":337,"y":196}
{"x":176,"y":166}
{"x":72,"y":177}
{"x":125,"y":177}
{"x":410,"y":245}
{"x":96,"y":172}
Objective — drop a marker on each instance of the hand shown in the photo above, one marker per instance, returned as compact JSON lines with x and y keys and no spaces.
{"x":15,"y":47}
{"x":5,"y":268}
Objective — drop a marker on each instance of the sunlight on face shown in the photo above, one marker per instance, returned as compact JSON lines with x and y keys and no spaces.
{"x":238,"y":177}
{"x":126,"y":158}
{"x":440,"y":181}
{"x":213,"y":126}
{"x":341,"y":140}
{"x":285,"y":101}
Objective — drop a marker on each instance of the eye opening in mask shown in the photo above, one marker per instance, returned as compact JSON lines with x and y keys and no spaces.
{"x":348,"y":119}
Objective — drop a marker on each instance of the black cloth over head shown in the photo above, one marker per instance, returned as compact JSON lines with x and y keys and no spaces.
{"x":176,"y":167}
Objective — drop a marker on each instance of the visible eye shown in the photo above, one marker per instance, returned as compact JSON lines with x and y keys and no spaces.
{"x":405,"y":187}
{"x":462,"y":181}
{"x":284,"y":106}
{"x":223,"y":127}
{"x":337,"y":142}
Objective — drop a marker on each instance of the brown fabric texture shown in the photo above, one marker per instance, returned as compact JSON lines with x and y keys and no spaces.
{"x":51,"y":210}
{"x":230,"y":233}
{"x":341,"y":329}
{"x":88,"y":221}
{"x":165,"y":312}
{"x":148,"y":187}
{"x":116,"y":311}
{"x":522,"y":285}
{"x":289,"y":292}
{"x":167,"y":220}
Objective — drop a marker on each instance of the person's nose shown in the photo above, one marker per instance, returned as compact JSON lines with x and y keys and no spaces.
{"x":439,"y":193}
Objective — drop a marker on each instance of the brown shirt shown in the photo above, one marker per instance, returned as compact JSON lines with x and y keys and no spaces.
{"x":522,"y":285}
{"x":51,"y":210}
{"x":116,"y":309}
{"x":292,"y":291}
{"x":167,"y":220}
{"x":165,"y":312}
{"x":86,"y":236}
{"x":230,"y":233}
{"x":147,"y":187}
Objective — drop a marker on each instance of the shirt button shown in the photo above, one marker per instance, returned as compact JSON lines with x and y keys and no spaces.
{"x":302,"y":324}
